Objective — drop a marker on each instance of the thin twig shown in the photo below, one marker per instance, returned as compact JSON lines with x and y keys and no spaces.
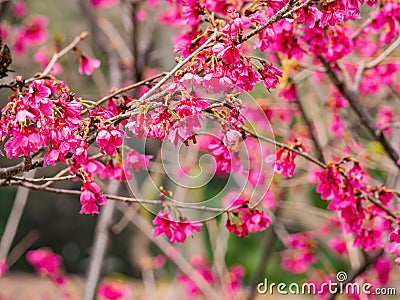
{"x":285,"y":146}
{"x":58,"y":55}
{"x":384,"y":54}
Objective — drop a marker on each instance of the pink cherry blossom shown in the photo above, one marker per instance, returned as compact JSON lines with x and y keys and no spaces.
{"x":284,"y":162}
{"x":243,"y":219}
{"x":175,"y":231}
{"x":110,"y":139}
{"x":87,"y":65}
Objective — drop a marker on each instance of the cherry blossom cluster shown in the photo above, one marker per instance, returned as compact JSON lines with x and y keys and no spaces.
{"x":300,"y":252}
{"x":48,"y":116}
{"x":242,"y":219}
{"x":174,"y":230}
{"x":348,"y":194}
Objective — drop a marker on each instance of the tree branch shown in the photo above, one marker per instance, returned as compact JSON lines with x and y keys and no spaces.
{"x":365,"y":118}
{"x":283,"y":145}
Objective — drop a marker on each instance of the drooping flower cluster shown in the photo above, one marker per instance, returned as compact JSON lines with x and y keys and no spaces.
{"x":177,"y":122}
{"x":47,"y":263}
{"x":284,"y":159}
{"x":242,"y":219}
{"x":348,"y":194}
{"x":175,"y":231}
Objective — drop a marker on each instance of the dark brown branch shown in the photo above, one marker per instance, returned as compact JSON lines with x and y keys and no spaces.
{"x":127,"y":88}
{"x":3,"y":7}
{"x":21,"y":167}
{"x":365,"y":118}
